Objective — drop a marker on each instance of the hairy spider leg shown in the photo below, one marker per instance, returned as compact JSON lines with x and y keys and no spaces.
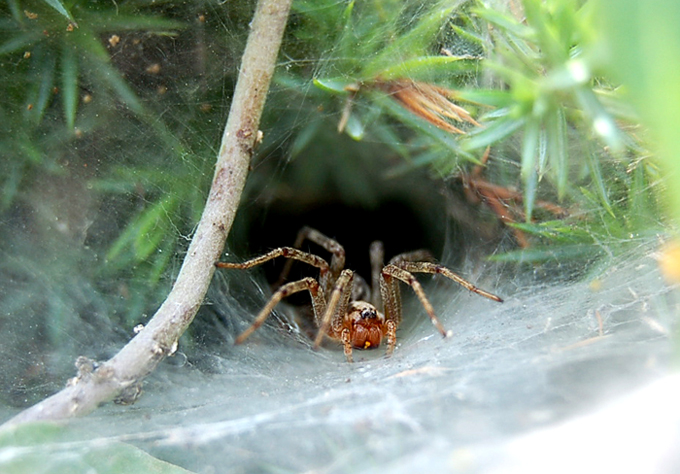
{"x":336,"y":309}
{"x":308,"y":283}
{"x":318,"y":298}
{"x":377,"y":254}
{"x":391,"y":295}
{"x":330,"y":245}
{"x":287,"y":252}
{"x":421,"y":255}
{"x":436,"y":269}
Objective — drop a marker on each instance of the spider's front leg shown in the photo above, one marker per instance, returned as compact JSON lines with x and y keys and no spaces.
{"x":309,"y":284}
{"x":402,"y":269}
{"x":390,"y":277}
{"x":332,"y":321}
{"x":331,"y":245}
{"x":411,"y":267}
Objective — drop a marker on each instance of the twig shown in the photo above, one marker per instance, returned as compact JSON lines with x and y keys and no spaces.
{"x":120,"y":377}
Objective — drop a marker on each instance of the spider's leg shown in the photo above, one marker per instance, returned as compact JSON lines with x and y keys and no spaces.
{"x":389,"y":289}
{"x":436,"y":269}
{"x":377,"y":253}
{"x":421,"y":255}
{"x":347,"y":344}
{"x":390,"y":274}
{"x":286,"y":269}
{"x":391,"y":297}
{"x":391,"y":337}
{"x":287,"y":252}
{"x":336,"y":307}
{"x":331,"y":245}
{"x":309,"y":284}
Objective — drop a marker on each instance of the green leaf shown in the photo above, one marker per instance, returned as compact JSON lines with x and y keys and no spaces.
{"x":547,"y":30}
{"x":556,"y":127}
{"x":303,"y":138}
{"x":152,"y":226}
{"x":504,"y":22}
{"x":602,"y":121}
{"x":529,"y":148}
{"x":493,"y":133}
{"x":555,"y":230}
{"x":427,"y":66}
{"x":69,"y":83}
{"x":598,"y":182}
{"x":145,"y":232}
{"x":20,"y":42}
{"x":640,"y":209}
{"x":162,"y":257}
{"x":529,"y":172}
{"x":107,"y":22}
{"x":347,"y":14}
{"x":335,"y":85}
{"x":100,"y":64}
{"x":41,"y":94}
{"x":15,"y":9}
{"x":467,"y":35}
{"x":561,"y":253}
{"x":355,"y":128}
{"x":416,"y":40}
{"x":51,"y":449}
{"x":426,"y":158}
{"x":59,"y":6}
{"x":10,"y":183}
{"x":490,"y":97}
{"x":112,"y":78}
{"x":88,"y":42}
{"x":122,"y":242}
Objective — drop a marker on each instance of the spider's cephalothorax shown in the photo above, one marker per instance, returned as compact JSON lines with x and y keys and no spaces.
{"x":365,"y":325}
{"x":345,"y":308}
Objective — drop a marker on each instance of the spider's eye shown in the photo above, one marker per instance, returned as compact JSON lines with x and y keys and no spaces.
{"x":368,"y":313}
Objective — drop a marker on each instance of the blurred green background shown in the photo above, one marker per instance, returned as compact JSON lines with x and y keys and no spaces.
{"x":641,"y":44}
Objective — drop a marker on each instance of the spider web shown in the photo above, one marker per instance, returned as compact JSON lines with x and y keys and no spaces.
{"x":561,"y":360}
{"x":483,"y":400}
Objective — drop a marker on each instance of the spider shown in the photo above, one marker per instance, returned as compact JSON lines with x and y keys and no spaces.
{"x":345,"y":308}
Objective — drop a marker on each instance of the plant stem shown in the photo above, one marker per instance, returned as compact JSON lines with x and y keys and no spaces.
{"x":120,"y":377}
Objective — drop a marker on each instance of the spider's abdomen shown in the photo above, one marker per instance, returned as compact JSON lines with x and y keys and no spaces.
{"x":366,"y":325}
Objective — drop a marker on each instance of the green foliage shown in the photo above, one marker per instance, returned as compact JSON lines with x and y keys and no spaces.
{"x":48,"y":448}
{"x":129,"y":98}
{"x":47,"y":57}
{"x":629,"y":222}
{"x":108,"y":149}
{"x":373,"y":42}
{"x":641,"y":46}
{"x":532,"y":74}
{"x":547,"y":65}
{"x":550,"y":65}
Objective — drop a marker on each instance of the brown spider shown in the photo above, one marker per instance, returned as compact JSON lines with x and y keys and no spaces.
{"x":340,"y":298}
